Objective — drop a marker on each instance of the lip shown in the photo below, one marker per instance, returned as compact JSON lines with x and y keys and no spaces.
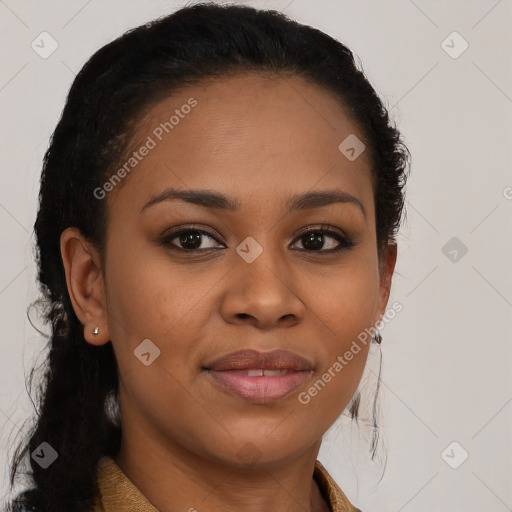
{"x":231,"y":373}
{"x":274,"y":360}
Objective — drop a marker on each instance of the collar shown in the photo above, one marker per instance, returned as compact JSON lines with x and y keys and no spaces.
{"x":118,"y":494}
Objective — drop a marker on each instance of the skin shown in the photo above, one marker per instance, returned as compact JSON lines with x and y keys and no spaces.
{"x":259,"y":140}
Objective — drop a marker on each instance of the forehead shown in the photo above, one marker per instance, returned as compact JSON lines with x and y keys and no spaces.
{"x":251,"y":136}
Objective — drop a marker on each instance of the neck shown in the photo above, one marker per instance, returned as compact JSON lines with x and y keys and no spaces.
{"x":175,"y":479}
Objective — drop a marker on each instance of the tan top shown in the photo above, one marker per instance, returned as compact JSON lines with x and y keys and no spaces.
{"x":119,"y":494}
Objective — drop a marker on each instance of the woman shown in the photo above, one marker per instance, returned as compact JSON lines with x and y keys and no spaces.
{"x":216,"y":234}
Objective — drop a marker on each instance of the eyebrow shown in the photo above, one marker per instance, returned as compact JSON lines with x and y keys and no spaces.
{"x":219,"y":201}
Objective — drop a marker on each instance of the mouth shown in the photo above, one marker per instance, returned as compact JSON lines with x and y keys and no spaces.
{"x":260,"y":377}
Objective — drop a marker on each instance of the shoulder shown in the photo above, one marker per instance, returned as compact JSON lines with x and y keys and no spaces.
{"x":336,"y":498}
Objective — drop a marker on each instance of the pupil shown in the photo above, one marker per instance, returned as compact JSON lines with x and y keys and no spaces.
{"x":314,"y":240}
{"x":193,"y":238}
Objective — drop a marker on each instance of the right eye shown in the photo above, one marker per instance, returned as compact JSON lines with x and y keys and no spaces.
{"x":188,"y":240}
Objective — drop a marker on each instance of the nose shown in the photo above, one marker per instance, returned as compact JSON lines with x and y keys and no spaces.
{"x":262,"y":294}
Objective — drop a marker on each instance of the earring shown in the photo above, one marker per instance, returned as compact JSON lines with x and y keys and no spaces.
{"x":377,"y":338}
{"x":96,"y":331}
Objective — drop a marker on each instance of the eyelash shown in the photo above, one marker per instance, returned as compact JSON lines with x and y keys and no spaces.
{"x":344,"y":242}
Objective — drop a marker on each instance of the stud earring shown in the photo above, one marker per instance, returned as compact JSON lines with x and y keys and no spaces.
{"x":96,"y":331}
{"x":377,"y":338}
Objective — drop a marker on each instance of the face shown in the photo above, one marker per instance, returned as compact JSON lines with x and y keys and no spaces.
{"x":189,"y":280}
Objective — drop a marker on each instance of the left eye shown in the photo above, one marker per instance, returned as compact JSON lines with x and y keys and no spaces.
{"x":315,"y":240}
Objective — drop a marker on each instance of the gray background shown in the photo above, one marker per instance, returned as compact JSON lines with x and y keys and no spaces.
{"x":447,"y":355}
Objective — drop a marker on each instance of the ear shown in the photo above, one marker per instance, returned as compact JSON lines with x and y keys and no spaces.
{"x":386,"y":269}
{"x":84,"y":279}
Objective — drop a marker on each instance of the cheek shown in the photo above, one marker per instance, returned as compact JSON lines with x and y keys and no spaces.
{"x":344,"y":307}
{"x":150,"y":298}
{"x":344,"y":301}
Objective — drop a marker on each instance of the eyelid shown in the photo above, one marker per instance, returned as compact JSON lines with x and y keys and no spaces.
{"x":325,"y":228}
{"x":176,"y":230}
